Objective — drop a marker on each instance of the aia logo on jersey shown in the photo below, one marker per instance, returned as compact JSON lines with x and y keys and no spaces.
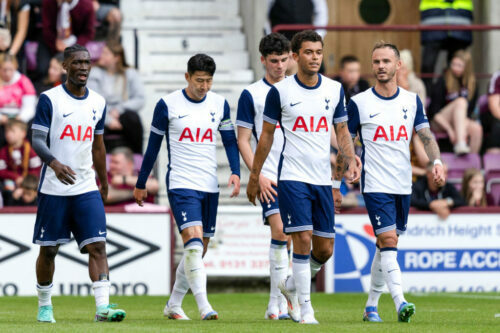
{"x":314,"y":125}
{"x":77,"y":135}
{"x":381,"y":133}
{"x":187,"y":135}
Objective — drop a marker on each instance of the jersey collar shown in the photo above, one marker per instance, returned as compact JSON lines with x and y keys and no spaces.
{"x":192,"y":100}
{"x":307,"y":87}
{"x":385,"y":98}
{"x":266,"y":82}
{"x":75,"y":97}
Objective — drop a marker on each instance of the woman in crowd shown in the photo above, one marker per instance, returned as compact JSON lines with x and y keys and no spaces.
{"x":55,"y":76}
{"x":473,"y":188}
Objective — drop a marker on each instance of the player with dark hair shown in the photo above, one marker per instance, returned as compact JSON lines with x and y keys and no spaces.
{"x":68,"y":136}
{"x":189,"y":118}
{"x":274,"y":49}
{"x":306,"y":106}
{"x":384,"y":117}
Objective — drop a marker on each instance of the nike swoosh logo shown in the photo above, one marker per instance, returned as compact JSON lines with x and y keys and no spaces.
{"x":292,"y":104}
{"x":194,"y":270}
{"x":67,"y":114}
{"x":180,"y":117}
{"x":374,"y":115}
{"x":392,"y":270}
{"x":102,"y":233}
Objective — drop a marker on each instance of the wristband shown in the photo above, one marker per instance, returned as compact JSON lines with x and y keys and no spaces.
{"x":438,"y":162}
{"x":336,"y":183}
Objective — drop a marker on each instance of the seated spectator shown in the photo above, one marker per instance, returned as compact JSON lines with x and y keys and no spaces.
{"x":453,"y":100}
{"x":55,"y":76}
{"x":123,"y":90}
{"x":64,"y":23}
{"x":407,"y":79}
{"x":14,"y":22}
{"x":25,"y":194}
{"x":426,"y":195}
{"x":17,"y":158}
{"x":350,"y":77}
{"x":473,"y":188}
{"x":491,"y":118}
{"x":108,"y":14}
{"x":122,"y":178}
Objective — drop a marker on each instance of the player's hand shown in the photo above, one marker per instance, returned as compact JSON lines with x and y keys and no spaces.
{"x":234,"y":180}
{"x":104,"y":192}
{"x":267,"y":192}
{"x":140,"y":195}
{"x":63,"y":172}
{"x":353,"y":172}
{"x":438,"y":173}
{"x":253,"y":188}
{"x":337,"y":199}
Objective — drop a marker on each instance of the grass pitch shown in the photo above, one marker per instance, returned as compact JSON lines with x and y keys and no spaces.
{"x":465,"y":312}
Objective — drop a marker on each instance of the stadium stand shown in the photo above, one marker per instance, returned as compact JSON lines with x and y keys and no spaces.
{"x":458,"y":164}
{"x":492,"y":175}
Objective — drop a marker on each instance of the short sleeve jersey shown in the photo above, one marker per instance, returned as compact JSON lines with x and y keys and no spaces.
{"x":71,"y":123}
{"x":250,"y":115}
{"x":306,"y":115}
{"x":385,"y":126}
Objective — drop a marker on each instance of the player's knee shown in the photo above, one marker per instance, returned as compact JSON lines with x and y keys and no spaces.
{"x":97,"y":250}
{"x":323,"y":254}
{"x":48,"y":252}
{"x":388,"y":241}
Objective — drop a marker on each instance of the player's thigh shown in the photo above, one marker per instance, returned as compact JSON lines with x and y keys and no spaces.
{"x":88,"y":219}
{"x":381,"y":209}
{"x":322,"y":247}
{"x":295,"y":206}
{"x":52,"y":225}
{"x":402,"y":211}
{"x":186,"y":205}
{"x":209,"y":204}
{"x":276,"y":226}
{"x":323,"y":212}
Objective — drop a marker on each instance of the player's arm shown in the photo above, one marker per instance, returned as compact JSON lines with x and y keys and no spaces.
{"x":272,"y":114}
{"x":431,"y":147}
{"x":99,"y":159}
{"x":230,"y":143}
{"x":159,"y":126}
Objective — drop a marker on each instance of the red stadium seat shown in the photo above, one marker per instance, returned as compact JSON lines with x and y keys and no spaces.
{"x":458,"y":164}
{"x":492,"y":176}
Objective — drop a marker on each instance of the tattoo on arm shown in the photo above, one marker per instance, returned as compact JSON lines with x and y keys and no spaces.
{"x":346,"y":149}
{"x":430,"y":144}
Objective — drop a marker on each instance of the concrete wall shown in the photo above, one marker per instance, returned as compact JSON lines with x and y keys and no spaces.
{"x":254,"y":15}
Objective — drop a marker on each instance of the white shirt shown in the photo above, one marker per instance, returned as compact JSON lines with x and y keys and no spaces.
{"x":306,"y":115}
{"x":250,"y":113}
{"x":385,"y":125}
{"x":71,"y":123}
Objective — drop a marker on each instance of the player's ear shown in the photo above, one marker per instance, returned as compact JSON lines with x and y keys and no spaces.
{"x":295,"y":56}
{"x":186,"y":76}
{"x":262,"y":59}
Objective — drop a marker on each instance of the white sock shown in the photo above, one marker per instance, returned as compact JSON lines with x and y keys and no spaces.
{"x":290,"y":283}
{"x":377,"y":281}
{"x":392,"y":275}
{"x":278,"y":267}
{"x":181,"y":286}
{"x":101,"y":292}
{"x":315,"y":266}
{"x":302,"y":276}
{"x":195,"y":272}
{"x":44,"y":295}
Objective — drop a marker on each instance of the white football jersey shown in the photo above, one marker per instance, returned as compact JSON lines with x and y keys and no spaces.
{"x":385,"y":126}
{"x":250,"y":115}
{"x":71,"y":123}
{"x":191,"y":129}
{"x":306,"y":115}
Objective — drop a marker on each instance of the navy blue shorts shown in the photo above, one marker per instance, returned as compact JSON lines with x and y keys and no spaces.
{"x":60,"y":216}
{"x":306,"y":207}
{"x":192,"y":208}
{"x":387,"y":211}
{"x":270,"y":208}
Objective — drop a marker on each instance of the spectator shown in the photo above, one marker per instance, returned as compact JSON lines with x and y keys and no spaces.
{"x":55,"y":76}
{"x":453,"y":100}
{"x":17,"y":158}
{"x":350,"y":77}
{"x":14,"y":22}
{"x":407,"y":78}
{"x":491,"y":118}
{"x":443,"y":12}
{"x":473,"y":189}
{"x":25,"y":194}
{"x":123,"y":90}
{"x":64,"y":23}
{"x":108,"y":14}
{"x":427,"y":196}
{"x":122,"y":177}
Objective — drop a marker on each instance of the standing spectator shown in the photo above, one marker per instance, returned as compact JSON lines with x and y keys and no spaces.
{"x":55,"y":76}
{"x":64,"y":23}
{"x":17,"y":158}
{"x":426,"y":195}
{"x":25,"y":195}
{"x":14,"y":22}
{"x":473,"y":189}
{"x":443,"y":12}
{"x":491,"y":117}
{"x":407,"y":78}
{"x":350,"y":77}
{"x":123,"y":90}
{"x":108,"y":14}
{"x":453,"y":100}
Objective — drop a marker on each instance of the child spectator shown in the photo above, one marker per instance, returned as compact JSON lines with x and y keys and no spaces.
{"x":17,"y":158}
{"x":473,"y":189}
{"x":25,"y":195}
{"x":453,"y":100}
{"x":55,"y":76}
